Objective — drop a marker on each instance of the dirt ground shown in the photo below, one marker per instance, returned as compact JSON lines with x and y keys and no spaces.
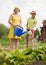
{"x":36,"y":63}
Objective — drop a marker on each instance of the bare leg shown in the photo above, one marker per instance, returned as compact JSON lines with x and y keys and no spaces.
{"x":11,"y":43}
{"x":32,"y":41}
{"x":27,"y":43}
{"x":16,"y":44}
{"x":27,"y":35}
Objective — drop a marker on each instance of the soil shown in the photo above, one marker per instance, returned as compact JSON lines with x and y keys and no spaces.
{"x":37,"y":63}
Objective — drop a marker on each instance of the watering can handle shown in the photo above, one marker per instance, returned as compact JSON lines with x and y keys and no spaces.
{"x":18,"y":26}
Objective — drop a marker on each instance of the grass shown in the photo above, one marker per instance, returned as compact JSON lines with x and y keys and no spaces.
{"x":40,"y":43}
{"x":5,"y":42}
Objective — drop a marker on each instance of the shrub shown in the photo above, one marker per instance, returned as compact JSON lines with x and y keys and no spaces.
{"x":3,"y":31}
{"x":18,"y":57}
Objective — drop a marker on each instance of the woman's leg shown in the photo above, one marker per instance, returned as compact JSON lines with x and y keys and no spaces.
{"x":17,"y":43}
{"x":27,"y":36}
{"x":26,"y":43}
{"x":32,"y":41}
{"x":11,"y":43}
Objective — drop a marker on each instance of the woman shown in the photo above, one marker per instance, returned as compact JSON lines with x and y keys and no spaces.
{"x":31,"y":22}
{"x":14,"y":19}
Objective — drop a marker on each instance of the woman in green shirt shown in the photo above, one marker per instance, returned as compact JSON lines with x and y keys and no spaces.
{"x":31,"y":22}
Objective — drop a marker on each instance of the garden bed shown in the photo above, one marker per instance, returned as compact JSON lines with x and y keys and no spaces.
{"x":24,"y":57}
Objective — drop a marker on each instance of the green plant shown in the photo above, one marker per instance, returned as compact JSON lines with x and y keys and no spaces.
{"x":37,"y":33}
{"x":18,"y":57}
{"x":3,"y":30}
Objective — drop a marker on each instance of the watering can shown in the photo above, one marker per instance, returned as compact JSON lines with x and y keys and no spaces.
{"x":18,"y":31}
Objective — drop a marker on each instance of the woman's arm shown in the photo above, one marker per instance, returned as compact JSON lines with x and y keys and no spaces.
{"x":27,"y":28}
{"x":10,"y":20}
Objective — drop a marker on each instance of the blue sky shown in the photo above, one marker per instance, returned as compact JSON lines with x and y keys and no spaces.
{"x":7,"y":6}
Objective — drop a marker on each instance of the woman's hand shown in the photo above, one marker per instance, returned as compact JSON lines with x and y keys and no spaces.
{"x":17,"y":25}
{"x":13,"y":25}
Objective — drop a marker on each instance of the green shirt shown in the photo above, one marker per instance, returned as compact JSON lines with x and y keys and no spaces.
{"x":31,"y":22}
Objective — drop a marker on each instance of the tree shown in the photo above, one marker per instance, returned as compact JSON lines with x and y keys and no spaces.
{"x":3,"y":30}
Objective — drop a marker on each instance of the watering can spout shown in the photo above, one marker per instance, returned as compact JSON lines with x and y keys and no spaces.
{"x":23,"y":32}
